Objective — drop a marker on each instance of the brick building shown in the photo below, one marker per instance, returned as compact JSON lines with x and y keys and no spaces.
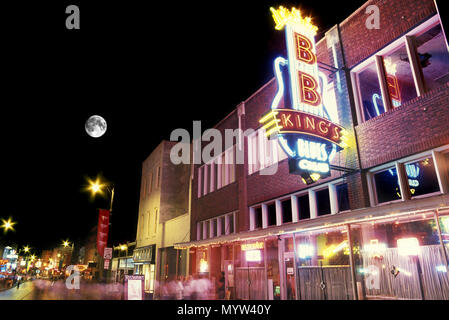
{"x":377,"y":224}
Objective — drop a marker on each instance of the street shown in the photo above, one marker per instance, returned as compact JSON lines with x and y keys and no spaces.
{"x":46,"y":290}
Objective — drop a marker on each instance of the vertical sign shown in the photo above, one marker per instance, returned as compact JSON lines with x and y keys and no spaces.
{"x":303,"y":127}
{"x":103,"y":230}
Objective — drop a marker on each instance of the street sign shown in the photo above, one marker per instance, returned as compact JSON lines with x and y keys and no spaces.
{"x":107,"y":253}
{"x":134,"y":287}
{"x":106,"y":264}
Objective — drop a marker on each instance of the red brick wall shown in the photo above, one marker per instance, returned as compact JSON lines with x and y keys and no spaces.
{"x":396,"y":18}
{"x":416,"y":126}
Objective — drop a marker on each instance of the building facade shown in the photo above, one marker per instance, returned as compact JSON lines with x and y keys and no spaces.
{"x":376,"y":225}
{"x":164,"y":218}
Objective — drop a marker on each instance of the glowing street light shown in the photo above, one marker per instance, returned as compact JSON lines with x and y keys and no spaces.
{"x":97,"y":187}
{"x":8,"y":225}
{"x":26,"y":249}
{"x":66,"y":243}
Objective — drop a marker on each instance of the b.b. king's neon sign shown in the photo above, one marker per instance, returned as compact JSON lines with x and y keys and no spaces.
{"x":303,"y":127}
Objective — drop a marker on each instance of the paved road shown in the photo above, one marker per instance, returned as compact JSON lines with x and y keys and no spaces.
{"x":47,"y":290}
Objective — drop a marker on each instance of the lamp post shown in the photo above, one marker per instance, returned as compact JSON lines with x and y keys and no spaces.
{"x":97,"y":187}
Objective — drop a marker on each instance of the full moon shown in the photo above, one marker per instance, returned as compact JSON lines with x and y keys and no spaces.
{"x":95,"y":126}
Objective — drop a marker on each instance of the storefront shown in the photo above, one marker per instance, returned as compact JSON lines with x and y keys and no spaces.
{"x":400,"y":255}
{"x":144,"y":264}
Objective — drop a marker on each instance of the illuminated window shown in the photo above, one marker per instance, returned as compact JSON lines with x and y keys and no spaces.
{"x":262,"y":152}
{"x":434,"y":57}
{"x":323,"y":202}
{"x":343,"y":197}
{"x":387,"y":185}
{"x":433,"y":62}
{"x":385,"y":251}
{"x":422,"y":178}
{"x":371,"y":96}
{"x":401,"y":86}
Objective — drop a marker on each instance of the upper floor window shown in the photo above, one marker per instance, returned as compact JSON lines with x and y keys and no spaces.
{"x":216,"y":227}
{"x":407,"y":68}
{"x":158,"y":179}
{"x":263,"y":152}
{"x":419,"y":177}
{"x":387,"y":185}
{"x":218,"y":173}
{"x":433,"y":56}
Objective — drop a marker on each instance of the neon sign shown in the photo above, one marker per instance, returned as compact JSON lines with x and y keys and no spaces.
{"x":304,"y":129}
{"x":252,"y":246}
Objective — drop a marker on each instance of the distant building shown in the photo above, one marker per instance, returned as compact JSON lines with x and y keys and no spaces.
{"x":164,"y":218}
{"x":122,"y":261}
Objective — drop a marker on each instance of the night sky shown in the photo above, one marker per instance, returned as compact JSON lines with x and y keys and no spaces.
{"x":147,"y":69}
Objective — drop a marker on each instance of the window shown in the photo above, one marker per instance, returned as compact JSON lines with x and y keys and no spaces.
{"x":263,"y":152}
{"x":387,"y":185}
{"x":407,"y":247}
{"x":205,"y":178}
{"x":400,"y":83}
{"x":422,"y":178}
{"x":155,"y":220}
{"x":213,"y":228}
{"x":150,"y":183}
{"x":231,"y":223}
{"x":223,"y":225}
{"x":200,"y":175}
{"x":304,"y":207}
{"x":271,"y":214}
{"x":343,"y":197}
{"x":149,"y":224}
{"x":206,"y":229}
{"x":370,"y":95}
{"x":429,"y":46}
{"x":286,"y":211}
{"x":218,"y":172}
{"x":433,"y":57}
{"x":323,"y":202}
{"x":258,"y":217}
{"x":212,"y":173}
{"x":158,"y":184}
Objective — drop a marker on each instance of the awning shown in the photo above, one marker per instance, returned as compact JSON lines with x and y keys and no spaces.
{"x":402,"y":208}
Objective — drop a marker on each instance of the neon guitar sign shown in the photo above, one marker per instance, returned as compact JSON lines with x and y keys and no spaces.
{"x":304,"y":129}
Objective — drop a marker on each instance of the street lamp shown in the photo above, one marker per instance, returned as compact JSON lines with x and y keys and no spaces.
{"x":65,"y":243}
{"x":97,"y":187}
{"x":7,"y":225}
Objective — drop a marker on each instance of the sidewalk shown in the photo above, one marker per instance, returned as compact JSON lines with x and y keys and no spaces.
{"x":23,"y":293}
